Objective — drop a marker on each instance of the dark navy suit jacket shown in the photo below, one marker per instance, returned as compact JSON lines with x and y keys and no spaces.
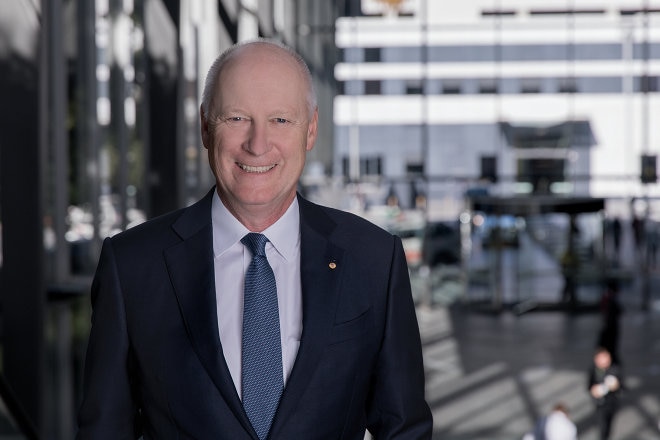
{"x":155,"y":365}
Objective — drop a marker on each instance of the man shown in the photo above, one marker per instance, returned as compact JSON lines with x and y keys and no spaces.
{"x":167,"y":356}
{"x":604,"y":387}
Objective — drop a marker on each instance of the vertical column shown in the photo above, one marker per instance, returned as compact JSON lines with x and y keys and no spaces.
{"x":161,"y":25}
{"x":120,"y":33}
{"x":89,"y":183}
{"x":21,"y":175}
{"x":53,"y":110}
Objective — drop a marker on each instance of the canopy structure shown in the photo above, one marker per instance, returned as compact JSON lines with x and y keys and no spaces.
{"x":563,"y":135}
{"x":532,"y":205}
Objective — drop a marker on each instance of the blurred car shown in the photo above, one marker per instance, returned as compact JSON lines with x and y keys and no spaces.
{"x":429,"y":243}
{"x":441,"y":243}
{"x":502,"y":230}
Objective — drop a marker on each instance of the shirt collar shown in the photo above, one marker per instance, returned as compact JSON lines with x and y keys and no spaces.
{"x":284,"y":234}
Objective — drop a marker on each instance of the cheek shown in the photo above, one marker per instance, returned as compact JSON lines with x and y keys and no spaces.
{"x":213,"y":156}
{"x":219,"y":149}
{"x":297,"y":155}
{"x":216,"y":162}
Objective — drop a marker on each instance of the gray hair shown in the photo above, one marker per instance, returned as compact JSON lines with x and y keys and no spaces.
{"x":221,"y":61}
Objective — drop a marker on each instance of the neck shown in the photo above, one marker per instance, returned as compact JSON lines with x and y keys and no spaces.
{"x":257,"y":218}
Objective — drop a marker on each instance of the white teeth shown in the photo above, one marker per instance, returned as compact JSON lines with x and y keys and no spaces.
{"x":250,"y":169}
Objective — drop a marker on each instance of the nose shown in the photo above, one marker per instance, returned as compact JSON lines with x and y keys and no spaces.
{"x":258,"y":142}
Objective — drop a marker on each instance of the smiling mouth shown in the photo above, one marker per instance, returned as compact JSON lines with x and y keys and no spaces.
{"x":251,"y":169}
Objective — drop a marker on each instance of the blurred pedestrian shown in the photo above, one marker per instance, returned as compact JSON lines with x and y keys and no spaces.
{"x":570,"y":264}
{"x":611,"y":311}
{"x":638,"y":232}
{"x":604,"y":386}
{"x":569,"y":267}
{"x":557,"y":425}
{"x":652,"y":242}
{"x":616,"y":236}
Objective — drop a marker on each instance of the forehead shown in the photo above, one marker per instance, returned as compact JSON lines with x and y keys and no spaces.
{"x":262,"y":58}
{"x":603,"y":355}
{"x":263,"y":74}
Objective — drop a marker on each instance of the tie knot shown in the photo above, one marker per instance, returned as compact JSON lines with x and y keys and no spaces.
{"x":256,"y":243}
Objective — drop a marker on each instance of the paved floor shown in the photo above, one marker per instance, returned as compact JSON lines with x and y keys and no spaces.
{"x":489,"y":376}
{"x":492,"y":372}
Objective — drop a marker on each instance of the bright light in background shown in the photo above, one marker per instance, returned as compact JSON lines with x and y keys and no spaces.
{"x":102,"y":7}
{"x":128,"y":6}
{"x":121,"y":38}
{"x":103,"y":110}
{"x":248,"y":23}
{"x":129,"y":111}
{"x":561,"y":188}
{"x":523,"y":188}
{"x":103,"y":73}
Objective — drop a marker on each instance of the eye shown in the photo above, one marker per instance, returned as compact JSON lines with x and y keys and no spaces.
{"x":233,"y":119}
{"x":236,"y":121}
{"x":280,"y":120}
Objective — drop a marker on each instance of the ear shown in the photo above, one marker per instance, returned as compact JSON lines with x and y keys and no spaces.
{"x":312,"y":130}
{"x":204,"y":127}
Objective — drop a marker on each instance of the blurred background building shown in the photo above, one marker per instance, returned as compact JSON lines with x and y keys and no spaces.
{"x":426,"y":107}
{"x":534,"y":97}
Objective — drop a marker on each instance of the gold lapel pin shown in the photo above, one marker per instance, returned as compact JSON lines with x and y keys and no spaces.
{"x":332,"y":265}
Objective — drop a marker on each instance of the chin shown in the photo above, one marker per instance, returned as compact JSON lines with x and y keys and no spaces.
{"x":257,"y":197}
{"x":265,"y":197}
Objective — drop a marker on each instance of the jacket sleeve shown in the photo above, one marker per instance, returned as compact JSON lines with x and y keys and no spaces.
{"x":398,"y":408}
{"x":108,"y":409}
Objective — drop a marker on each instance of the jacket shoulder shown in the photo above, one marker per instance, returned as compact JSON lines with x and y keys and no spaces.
{"x":348,"y":230}
{"x":168,"y":228}
{"x":343,"y":221}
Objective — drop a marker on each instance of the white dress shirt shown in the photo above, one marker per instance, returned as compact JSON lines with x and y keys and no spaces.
{"x":559,"y":427}
{"x":231,"y":260}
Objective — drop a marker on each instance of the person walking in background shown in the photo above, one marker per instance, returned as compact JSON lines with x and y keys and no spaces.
{"x":604,"y":386}
{"x":637,"y":225}
{"x":570,"y":265}
{"x":652,"y":242}
{"x":611,"y":311}
{"x":254,"y":313}
{"x":616,"y":237}
{"x":557,"y":425}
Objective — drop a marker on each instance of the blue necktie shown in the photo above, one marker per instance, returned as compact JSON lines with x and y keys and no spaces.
{"x":262,"y":381}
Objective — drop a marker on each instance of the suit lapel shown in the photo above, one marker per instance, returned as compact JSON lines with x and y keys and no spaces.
{"x":319,"y":279}
{"x":190,"y":264}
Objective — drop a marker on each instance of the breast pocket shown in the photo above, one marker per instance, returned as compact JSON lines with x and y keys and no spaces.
{"x":354,"y":328}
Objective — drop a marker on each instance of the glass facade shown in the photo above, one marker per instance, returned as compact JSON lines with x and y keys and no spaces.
{"x":100,"y":103}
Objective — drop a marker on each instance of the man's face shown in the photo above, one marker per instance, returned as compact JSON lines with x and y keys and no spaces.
{"x":603,"y":360}
{"x":258,"y":131}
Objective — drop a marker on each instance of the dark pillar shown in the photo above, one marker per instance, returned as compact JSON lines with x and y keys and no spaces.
{"x":22,"y":285}
{"x":88,"y":181}
{"x":161,"y":44}
{"x":118,"y":93}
